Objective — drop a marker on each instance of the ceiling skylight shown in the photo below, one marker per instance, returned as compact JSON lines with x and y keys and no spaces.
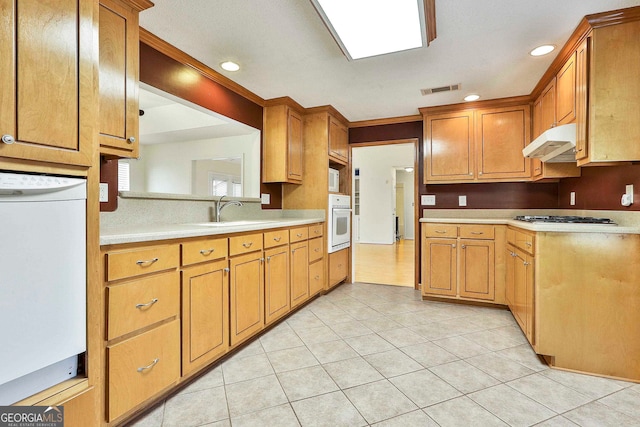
{"x":365,"y":28}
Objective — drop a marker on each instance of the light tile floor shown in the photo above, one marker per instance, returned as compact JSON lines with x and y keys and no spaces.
{"x":378,"y":355}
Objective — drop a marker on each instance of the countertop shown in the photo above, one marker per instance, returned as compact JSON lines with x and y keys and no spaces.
{"x":541,"y":226}
{"x":148,"y":233}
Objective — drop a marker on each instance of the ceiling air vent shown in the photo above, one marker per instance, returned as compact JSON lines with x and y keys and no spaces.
{"x":440,"y":89}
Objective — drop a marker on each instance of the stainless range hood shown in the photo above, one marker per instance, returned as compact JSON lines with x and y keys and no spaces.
{"x":555,"y":145}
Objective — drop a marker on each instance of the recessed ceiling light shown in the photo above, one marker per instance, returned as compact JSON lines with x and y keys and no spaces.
{"x":472,"y":97}
{"x":542,"y":50}
{"x":365,"y":28}
{"x":230,"y":66}
{"x":408,"y":169}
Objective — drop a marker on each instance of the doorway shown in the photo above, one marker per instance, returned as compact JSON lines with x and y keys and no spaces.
{"x":384,"y":212}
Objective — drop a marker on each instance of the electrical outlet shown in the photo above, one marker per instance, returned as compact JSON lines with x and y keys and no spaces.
{"x":572,"y":198}
{"x":428,"y":200}
{"x":462,"y":200}
{"x":104,"y":192}
{"x":265,"y":198}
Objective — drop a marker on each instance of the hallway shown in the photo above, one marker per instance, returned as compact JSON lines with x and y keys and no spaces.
{"x":385,"y":264}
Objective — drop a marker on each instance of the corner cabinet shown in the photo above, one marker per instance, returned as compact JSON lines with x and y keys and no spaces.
{"x":119,"y":76}
{"x":282,"y":150}
{"x":476,"y":145}
{"x":338,"y":141}
{"x":460,"y":261}
{"x":520,"y":292}
{"x":47,"y":98}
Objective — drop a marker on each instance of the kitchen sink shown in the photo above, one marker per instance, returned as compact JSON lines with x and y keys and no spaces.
{"x":231,"y":223}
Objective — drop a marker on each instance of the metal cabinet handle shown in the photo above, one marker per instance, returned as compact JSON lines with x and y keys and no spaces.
{"x":144,"y":368}
{"x":226,"y":269}
{"x":299,"y":234}
{"x":131,"y":139}
{"x":579,"y":149}
{"x":453,"y":246}
{"x":261,"y":259}
{"x":268,"y":258}
{"x":293,"y":251}
{"x":525,"y":263}
{"x":528,"y":243}
{"x":8,"y":139}
{"x":207,"y":251}
{"x":316,"y":231}
{"x":317,"y":277}
{"x":147,"y":262}
{"x":277,"y":239}
{"x":317,"y":249}
{"x":149,"y":304}
{"x":479,"y":173}
{"x":247,"y":245}
{"x":441,"y":231}
{"x":477,"y":232}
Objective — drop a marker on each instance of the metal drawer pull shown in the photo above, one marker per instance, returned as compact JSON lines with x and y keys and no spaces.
{"x":317,"y":249}
{"x":299,"y":234}
{"x":527,"y":243}
{"x":226,"y":269}
{"x":144,"y":368}
{"x":147,"y":262}
{"x":8,"y":139}
{"x":317,"y":277}
{"x":247,"y":245}
{"x":463,"y":246}
{"x":207,"y":251}
{"x":477,"y":232}
{"x":525,"y":263}
{"x":440,"y":231}
{"x":268,"y":258}
{"x":131,"y":139}
{"x":277,"y":239}
{"x":149,"y":304}
{"x":453,"y":246}
{"x":317,"y":231}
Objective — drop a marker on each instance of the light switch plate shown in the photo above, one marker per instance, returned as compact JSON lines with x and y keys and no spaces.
{"x":428,"y":200}
{"x":462,"y":200}
{"x":265,"y":198}
{"x":572,"y":198}
{"x":104,"y":192}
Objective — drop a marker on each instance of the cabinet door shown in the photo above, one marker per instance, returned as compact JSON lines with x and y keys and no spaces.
{"x":510,"y":279}
{"x":338,"y":266}
{"x":536,"y":164}
{"x":520,"y":289}
{"x":477,"y":269}
{"x":582,"y":88}
{"x":501,"y":134}
{"x":566,"y":92}
{"x":439,"y":267}
{"x":276,"y":283}
{"x":316,"y":277}
{"x":47,"y":102}
{"x":338,"y":141}
{"x":118,"y":79}
{"x":205,"y":314}
{"x":247,"y":296}
{"x":449,"y":147}
{"x":548,"y":97}
{"x":299,"y":273}
{"x":294,"y":147}
{"x":529,"y":309}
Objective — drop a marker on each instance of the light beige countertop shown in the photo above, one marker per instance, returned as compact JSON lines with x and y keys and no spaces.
{"x":541,"y":226}
{"x":148,"y":233}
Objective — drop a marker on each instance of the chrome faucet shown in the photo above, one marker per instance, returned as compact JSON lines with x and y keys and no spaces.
{"x":220,"y":206}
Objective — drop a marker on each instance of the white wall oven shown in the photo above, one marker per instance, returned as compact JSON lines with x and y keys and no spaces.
{"x":339,"y":226}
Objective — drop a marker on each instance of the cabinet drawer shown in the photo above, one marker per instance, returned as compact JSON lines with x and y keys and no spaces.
{"x":245,"y":244}
{"x":298,"y":234}
{"x":135,"y":262}
{"x":276,"y":238}
{"x":204,"y":250}
{"x":142,"y":366}
{"x":316,"y":249}
{"x":440,"y":230}
{"x":134,"y":305}
{"x":521,"y":240}
{"x":475,"y":231}
{"x":316,"y":277}
{"x":316,"y":230}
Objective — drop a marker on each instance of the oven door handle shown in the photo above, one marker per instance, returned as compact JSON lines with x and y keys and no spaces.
{"x":341,"y":210}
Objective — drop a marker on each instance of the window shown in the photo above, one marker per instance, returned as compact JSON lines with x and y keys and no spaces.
{"x":225,"y":185}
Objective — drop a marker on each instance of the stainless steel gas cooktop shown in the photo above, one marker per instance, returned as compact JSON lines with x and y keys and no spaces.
{"x":564,"y":219}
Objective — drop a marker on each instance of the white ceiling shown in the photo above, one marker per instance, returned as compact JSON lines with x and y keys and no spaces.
{"x":284,"y":49}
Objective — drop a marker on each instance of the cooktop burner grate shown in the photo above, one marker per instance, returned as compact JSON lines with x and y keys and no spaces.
{"x":564,"y":219}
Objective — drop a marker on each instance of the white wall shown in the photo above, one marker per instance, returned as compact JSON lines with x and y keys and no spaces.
{"x":406,"y":178}
{"x":167,"y":168}
{"x":377,"y":181}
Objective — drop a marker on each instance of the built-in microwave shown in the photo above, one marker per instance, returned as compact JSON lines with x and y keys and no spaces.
{"x":334,"y":180}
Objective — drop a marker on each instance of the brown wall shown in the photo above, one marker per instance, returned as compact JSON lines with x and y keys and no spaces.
{"x":601,"y":187}
{"x":479,"y":196}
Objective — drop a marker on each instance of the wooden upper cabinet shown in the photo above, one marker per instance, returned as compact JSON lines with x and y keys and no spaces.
{"x":548,"y":107}
{"x":338,"y":141}
{"x":47,"y":63}
{"x":582,"y":88}
{"x":501,"y":134}
{"x":449,"y":147}
{"x":283,"y":152}
{"x":611,"y":126}
{"x":566,"y":92}
{"x":119,"y":76}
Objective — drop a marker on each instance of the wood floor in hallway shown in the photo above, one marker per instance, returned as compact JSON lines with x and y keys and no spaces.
{"x":385,"y":264}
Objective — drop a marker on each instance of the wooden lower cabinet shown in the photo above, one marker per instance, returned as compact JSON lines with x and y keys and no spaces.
{"x":477,"y":269}
{"x":520,"y":284}
{"x":299,"y":273}
{"x":439,"y":267}
{"x":142,"y":366}
{"x":338,"y":266}
{"x":247,"y":296}
{"x":276,"y":283}
{"x":205,"y":314}
{"x":316,"y":277}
